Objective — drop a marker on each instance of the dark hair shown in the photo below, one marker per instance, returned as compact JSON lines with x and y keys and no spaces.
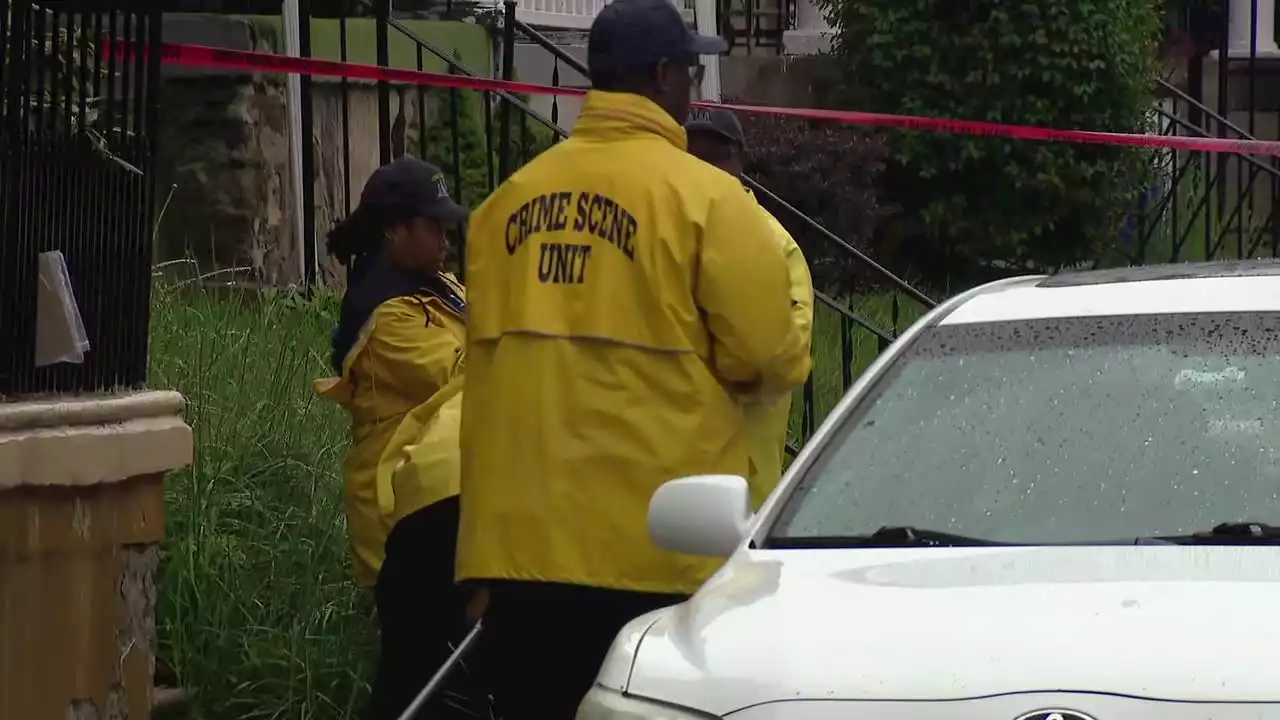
{"x":360,"y":233}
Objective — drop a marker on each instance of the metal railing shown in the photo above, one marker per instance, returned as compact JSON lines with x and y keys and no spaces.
{"x":1199,"y":206}
{"x":1209,"y":206}
{"x":1202,"y":206}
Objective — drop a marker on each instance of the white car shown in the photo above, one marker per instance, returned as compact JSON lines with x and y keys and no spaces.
{"x":1046,"y":501}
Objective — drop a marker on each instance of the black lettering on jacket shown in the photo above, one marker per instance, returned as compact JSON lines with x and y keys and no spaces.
{"x":545,"y":213}
{"x":594,"y":216}
{"x":563,"y":263}
{"x":605,"y":218}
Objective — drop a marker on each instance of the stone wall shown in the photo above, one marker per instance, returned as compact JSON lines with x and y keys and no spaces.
{"x":81,"y":520}
{"x":225,"y":161}
{"x":224,"y":175}
{"x":224,"y":171}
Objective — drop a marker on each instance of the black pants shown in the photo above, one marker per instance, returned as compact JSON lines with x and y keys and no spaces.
{"x":543,"y":643}
{"x":421,"y":613}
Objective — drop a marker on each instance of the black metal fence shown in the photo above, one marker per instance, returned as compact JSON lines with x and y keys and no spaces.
{"x":511,"y":132}
{"x":1199,"y":205}
{"x":477,"y":137}
{"x":75,"y":176}
{"x":1220,"y":83}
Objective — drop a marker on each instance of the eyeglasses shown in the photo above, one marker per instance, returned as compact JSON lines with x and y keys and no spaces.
{"x":696,"y":69}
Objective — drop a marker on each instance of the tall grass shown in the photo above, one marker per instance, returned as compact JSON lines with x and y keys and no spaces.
{"x":257,"y":611}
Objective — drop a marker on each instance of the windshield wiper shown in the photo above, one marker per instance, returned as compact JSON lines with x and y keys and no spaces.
{"x":885,"y":537}
{"x":1230,"y":533}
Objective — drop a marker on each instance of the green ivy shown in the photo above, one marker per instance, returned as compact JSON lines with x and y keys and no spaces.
{"x":977,"y":206}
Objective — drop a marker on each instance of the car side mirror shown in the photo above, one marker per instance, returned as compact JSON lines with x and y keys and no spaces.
{"x":700,"y":515}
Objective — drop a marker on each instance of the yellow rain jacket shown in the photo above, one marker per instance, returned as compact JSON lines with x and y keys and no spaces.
{"x":767,"y":419}
{"x":402,"y":384}
{"x":622,"y":293}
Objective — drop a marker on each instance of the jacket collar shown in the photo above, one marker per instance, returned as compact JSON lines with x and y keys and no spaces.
{"x":610,"y":116}
{"x":377,"y":282}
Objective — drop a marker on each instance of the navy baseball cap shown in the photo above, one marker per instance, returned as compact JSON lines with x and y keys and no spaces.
{"x":717,"y":122}
{"x":635,"y":34}
{"x":415,"y":187}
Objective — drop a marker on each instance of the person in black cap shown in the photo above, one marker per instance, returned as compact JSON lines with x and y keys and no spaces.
{"x":716,"y":137}
{"x":398,"y":355}
{"x":617,"y":288}
{"x":643,"y":47}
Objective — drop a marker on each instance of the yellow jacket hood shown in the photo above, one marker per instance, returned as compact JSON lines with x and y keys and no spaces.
{"x":401,"y":383}
{"x":610,"y":117}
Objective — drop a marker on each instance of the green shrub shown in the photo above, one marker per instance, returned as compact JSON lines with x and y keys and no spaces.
{"x":829,"y":172}
{"x":439,"y":139}
{"x":977,"y":206}
{"x":529,"y":137}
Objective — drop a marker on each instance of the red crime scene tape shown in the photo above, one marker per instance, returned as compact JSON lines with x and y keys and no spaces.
{"x":200,"y":56}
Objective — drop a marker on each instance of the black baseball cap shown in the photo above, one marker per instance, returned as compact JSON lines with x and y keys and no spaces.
{"x":717,"y":122}
{"x":413,"y":186}
{"x":635,"y":34}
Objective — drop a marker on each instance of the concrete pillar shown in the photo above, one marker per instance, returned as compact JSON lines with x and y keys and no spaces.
{"x":81,"y":519}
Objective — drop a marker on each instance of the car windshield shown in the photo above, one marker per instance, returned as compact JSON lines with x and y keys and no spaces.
{"x":1072,"y":430}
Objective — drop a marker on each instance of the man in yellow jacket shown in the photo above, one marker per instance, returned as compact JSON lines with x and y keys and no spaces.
{"x":622,"y":294}
{"x":716,"y":137}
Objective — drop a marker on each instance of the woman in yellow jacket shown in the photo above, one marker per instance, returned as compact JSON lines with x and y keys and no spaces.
{"x":398,"y":353}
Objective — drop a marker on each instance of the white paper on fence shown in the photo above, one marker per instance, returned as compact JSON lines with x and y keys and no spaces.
{"x":60,"y":334}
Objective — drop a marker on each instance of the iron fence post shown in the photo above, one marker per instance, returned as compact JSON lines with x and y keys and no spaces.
{"x":346,"y":110}
{"x":508,"y":73}
{"x":307,"y":142}
{"x":151,"y":121}
{"x":1224,"y":94}
{"x":382,"y":11}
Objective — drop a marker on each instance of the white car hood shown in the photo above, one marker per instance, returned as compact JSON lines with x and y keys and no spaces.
{"x":1163,"y":622}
